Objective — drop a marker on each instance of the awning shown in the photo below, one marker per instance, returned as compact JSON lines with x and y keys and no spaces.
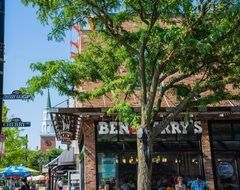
{"x":67,"y":158}
{"x":53,"y":162}
{"x":65,"y":161}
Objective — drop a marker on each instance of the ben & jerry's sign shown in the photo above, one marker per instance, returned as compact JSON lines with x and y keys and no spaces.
{"x":175,"y":127}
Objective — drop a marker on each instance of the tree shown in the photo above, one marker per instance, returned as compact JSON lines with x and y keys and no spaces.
{"x":186,"y":48}
{"x":17,"y":153}
{"x":15,"y":150}
{"x":37,"y":158}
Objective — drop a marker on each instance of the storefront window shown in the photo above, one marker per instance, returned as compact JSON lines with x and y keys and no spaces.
{"x":226,"y":151}
{"x":236,"y":129}
{"x":189,"y":163}
{"x":175,"y":152}
{"x":107,"y":167}
{"x":167,"y":166}
{"x":221,"y":131}
{"x":164,"y":165}
{"x":127,"y":167}
{"x":227,"y":172}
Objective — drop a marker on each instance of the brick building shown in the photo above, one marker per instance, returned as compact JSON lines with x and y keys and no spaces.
{"x":208,"y":145}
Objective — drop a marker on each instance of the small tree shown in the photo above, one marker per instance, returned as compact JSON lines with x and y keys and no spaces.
{"x":37,"y":159}
{"x":171,"y":43}
{"x":14,"y":145}
{"x":15,"y":151}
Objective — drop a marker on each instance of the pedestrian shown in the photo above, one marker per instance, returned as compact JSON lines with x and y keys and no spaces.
{"x":125,"y":185}
{"x":5,"y":186}
{"x":25,"y":185}
{"x":199,"y":184}
{"x":180,"y":185}
{"x":59,"y":185}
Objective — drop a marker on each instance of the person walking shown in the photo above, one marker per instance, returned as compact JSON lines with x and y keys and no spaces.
{"x":199,"y":184}
{"x":25,"y":185}
{"x":59,"y":185}
{"x":180,"y":185}
{"x":125,"y":185}
{"x":5,"y":186}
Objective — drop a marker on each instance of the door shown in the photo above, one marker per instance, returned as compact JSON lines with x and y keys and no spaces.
{"x":227,"y":171}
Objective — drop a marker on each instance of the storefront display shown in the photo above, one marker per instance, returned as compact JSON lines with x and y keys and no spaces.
{"x":176,"y":152}
{"x":207,"y":145}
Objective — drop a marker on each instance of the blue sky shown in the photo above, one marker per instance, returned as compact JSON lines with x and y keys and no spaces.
{"x":26,"y":42}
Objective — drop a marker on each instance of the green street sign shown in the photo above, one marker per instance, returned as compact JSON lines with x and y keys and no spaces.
{"x":16,"y":94}
{"x":16,"y":122}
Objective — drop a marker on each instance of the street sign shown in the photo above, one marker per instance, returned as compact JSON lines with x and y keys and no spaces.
{"x":16,"y":122}
{"x":16,"y":94}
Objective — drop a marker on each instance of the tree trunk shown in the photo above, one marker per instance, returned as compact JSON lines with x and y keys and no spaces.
{"x":144,"y":169}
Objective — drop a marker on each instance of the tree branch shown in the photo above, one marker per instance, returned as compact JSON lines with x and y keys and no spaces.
{"x":227,"y":34}
{"x":142,"y":13}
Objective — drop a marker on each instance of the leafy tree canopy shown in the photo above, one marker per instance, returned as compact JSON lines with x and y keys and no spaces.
{"x":14,"y":144}
{"x":189,"y":48}
{"x":37,"y":159}
{"x":172,"y":40}
{"x":15,"y":151}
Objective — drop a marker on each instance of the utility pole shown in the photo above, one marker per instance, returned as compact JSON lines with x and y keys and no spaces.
{"x":2,"y":14}
{"x":26,"y":158}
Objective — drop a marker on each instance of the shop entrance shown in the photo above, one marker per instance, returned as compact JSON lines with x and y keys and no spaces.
{"x":225,"y":140}
{"x":227,"y":170}
{"x":174,"y":153}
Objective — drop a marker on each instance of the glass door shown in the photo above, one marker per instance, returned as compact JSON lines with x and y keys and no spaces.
{"x":227,"y":171}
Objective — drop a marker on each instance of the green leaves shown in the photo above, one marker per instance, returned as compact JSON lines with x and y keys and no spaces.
{"x":182,"y":46}
{"x":15,"y":150}
{"x":125,"y":113}
{"x":182,"y":91}
{"x":59,"y":74}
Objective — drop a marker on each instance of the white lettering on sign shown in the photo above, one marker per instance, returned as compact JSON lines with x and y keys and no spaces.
{"x":103,"y":128}
{"x":113,"y":127}
{"x":174,"y":127}
{"x":197,"y":127}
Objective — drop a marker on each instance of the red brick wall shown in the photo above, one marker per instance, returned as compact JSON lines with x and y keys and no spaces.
{"x":47,"y":143}
{"x":207,"y":156}
{"x":169,"y":99}
{"x":90,"y":156}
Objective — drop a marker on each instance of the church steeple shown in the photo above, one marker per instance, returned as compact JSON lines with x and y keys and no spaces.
{"x":47,"y":126}
{"x":48,"y":100}
{"x":47,"y":139}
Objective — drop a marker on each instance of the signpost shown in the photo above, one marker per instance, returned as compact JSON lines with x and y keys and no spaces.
{"x":16,"y":94}
{"x":16,"y":122}
{"x":2,"y":13}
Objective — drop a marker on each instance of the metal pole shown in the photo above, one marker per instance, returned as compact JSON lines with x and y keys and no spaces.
{"x":2,"y":12}
{"x":49,"y":178}
{"x":26,"y":158}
